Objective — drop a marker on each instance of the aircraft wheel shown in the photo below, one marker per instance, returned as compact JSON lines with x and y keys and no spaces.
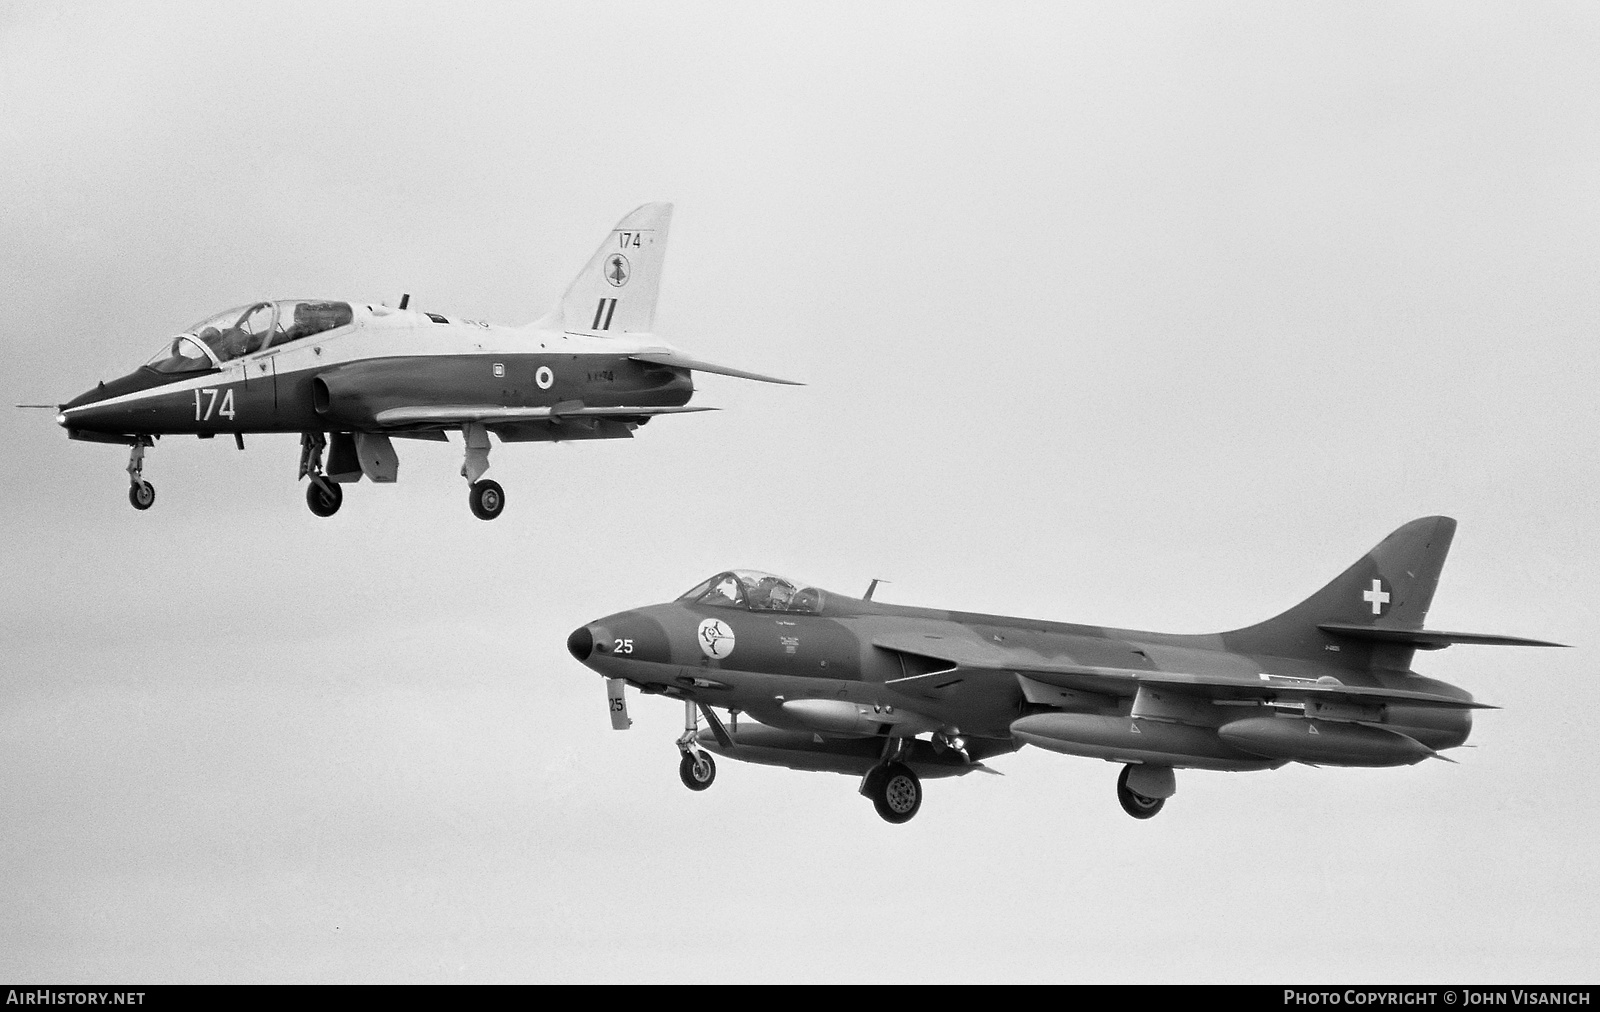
{"x":896,"y":793}
{"x":321,"y":502}
{"x":1136,"y":805}
{"x":487,"y":499}
{"x":697,"y":770}
{"x":142,"y":495}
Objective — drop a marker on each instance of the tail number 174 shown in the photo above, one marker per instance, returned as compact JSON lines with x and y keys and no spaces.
{"x":206,"y":406}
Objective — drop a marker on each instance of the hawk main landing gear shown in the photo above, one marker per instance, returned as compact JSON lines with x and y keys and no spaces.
{"x":323,"y":497}
{"x":485,"y":496}
{"x":696,"y":768}
{"x":141,"y":493}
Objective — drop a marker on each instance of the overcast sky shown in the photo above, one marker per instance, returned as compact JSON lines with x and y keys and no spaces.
{"x":1146,"y":315}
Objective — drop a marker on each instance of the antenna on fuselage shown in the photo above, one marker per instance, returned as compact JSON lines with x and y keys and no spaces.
{"x":405,"y":300}
{"x":868,"y":595}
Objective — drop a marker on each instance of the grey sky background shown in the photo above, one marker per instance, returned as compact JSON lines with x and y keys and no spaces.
{"x":1147,"y":315}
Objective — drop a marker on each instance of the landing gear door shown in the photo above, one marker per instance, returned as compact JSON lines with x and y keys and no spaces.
{"x":617,"y":703}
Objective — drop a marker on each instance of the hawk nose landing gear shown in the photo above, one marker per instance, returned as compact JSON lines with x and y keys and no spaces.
{"x":141,"y":493}
{"x":484,"y":495}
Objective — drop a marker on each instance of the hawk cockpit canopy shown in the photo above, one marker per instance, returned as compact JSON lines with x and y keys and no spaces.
{"x":752,"y":590}
{"x":245,"y":330}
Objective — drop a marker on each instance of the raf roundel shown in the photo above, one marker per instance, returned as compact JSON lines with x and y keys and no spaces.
{"x":618,"y":270}
{"x":716,"y":638}
{"x":544,"y":377}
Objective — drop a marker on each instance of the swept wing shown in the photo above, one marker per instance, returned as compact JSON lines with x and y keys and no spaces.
{"x":490,"y":414}
{"x":966,"y":657}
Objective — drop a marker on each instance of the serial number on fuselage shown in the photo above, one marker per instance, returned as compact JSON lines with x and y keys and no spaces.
{"x":597,"y":375}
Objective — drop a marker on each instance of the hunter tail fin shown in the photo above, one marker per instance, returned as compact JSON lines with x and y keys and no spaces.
{"x":615,"y":293}
{"x":1384,"y":595}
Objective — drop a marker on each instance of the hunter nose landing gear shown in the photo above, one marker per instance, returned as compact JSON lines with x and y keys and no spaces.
{"x":696,"y":768}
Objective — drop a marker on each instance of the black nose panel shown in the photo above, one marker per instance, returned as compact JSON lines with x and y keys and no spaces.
{"x":581,"y":643}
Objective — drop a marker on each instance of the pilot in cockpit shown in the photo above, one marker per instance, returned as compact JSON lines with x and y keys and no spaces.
{"x":301,"y":326}
{"x":771,"y":594}
{"x":211,"y":337}
{"x":234,"y":343}
{"x":727,"y":588}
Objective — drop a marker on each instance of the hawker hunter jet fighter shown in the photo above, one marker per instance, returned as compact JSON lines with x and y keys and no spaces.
{"x":895,"y":695}
{"x":350,"y":377}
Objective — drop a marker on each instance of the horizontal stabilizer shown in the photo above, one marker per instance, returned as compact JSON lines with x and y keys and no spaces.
{"x":489,"y":414}
{"x":681,"y":361}
{"x":1124,"y":681}
{"x":1429,"y":639}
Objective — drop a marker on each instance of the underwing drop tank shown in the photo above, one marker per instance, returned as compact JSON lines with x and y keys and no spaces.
{"x":1136,"y":740}
{"x":841,"y":716}
{"x":803,"y":750}
{"x":1333,"y":743}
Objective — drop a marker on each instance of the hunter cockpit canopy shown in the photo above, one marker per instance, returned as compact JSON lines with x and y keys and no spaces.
{"x":752,"y":590}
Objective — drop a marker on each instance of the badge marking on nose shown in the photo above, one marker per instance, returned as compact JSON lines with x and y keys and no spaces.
{"x":716,"y":639}
{"x":1377,"y":597}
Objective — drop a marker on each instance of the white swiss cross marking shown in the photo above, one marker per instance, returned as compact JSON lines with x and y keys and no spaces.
{"x":1377,"y":596}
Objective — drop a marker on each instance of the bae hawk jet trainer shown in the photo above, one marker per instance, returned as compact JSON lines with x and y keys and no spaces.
{"x":895,"y":694}
{"x":350,"y":377}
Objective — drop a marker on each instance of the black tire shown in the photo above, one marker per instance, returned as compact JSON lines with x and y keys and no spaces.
{"x":321,"y":502}
{"x":697,"y":770}
{"x":487,"y":499}
{"x":142,"y":495}
{"x":1136,"y":805}
{"x":896,"y":793}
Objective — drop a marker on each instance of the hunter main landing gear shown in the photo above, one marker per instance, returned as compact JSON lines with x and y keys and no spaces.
{"x":895,"y":790}
{"x":1142,"y":789}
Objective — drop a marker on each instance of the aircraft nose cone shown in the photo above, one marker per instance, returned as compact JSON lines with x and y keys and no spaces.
{"x":581,"y":643}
